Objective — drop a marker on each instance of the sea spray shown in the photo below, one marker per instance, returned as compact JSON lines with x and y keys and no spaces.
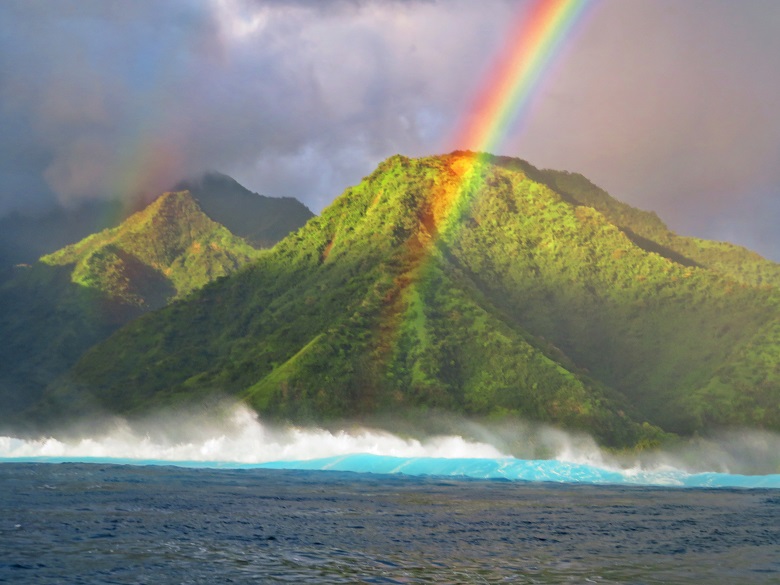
{"x":514,"y":451}
{"x":241,"y":438}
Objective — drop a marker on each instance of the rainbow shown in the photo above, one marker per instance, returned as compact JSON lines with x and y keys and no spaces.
{"x":534,"y":41}
{"x":536,"y":37}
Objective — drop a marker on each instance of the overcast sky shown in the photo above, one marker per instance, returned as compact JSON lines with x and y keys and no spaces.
{"x":670,"y":105}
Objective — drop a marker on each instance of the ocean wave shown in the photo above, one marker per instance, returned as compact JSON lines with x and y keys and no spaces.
{"x":242,"y":441}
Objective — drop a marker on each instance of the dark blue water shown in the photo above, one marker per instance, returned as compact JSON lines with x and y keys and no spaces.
{"x":103,"y":523}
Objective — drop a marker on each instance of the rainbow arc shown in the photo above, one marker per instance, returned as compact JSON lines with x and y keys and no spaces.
{"x":541,"y":29}
{"x":536,"y":38}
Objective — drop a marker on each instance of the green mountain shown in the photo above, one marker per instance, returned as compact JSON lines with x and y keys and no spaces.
{"x":472,"y":284}
{"x":646,"y":230}
{"x":55,"y":309}
{"x":262,"y":221}
{"x":165,"y":251}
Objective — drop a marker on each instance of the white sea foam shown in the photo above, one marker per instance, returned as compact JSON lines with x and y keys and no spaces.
{"x":235,"y":435}
{"x":242,"y":438}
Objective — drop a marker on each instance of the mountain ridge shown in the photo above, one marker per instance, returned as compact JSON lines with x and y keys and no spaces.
{"x":648,"y":231}
{"x":171,"y":237}
{"x":55,"y":309}
{"x":262,"y":221}
{"x":505,"y":299}
{"x":528,"y":304}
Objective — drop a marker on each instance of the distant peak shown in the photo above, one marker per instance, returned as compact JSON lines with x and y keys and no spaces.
{"x":170,"y":200}
{"x":208,"y":180}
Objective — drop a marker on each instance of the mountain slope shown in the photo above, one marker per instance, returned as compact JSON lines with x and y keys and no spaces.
{"x":262,"y":221}
{"x":57,"y":308}
{"x":461,"y":283}
{"x":647,"y":231}
{"x":166,"y":250}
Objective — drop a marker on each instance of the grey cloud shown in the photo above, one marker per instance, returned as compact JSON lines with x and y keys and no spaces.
{"x":74,"y":71}
{"x":128,"y":97}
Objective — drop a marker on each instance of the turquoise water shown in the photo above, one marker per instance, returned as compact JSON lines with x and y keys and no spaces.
{"x":535,"y":470}
{"x":246,"y":503}
{"x":508,"y":468}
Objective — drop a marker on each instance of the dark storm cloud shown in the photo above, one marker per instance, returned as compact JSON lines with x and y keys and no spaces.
{"x":296,"y":97}
{"x":669,"y":105}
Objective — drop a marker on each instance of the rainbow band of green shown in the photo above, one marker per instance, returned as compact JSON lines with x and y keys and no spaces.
{"x":533,"y":44}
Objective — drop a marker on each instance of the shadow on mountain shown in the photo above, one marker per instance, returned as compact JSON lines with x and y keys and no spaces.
{"x":48,"y":322}
{"x":651,"y":246}
{"x":260,"y":220}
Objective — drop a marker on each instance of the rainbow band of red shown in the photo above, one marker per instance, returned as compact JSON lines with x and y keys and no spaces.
{"x":533,"y":43}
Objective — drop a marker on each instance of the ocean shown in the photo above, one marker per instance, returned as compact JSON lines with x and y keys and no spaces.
{"x":253,"y":505}
{"x":106,"y":523}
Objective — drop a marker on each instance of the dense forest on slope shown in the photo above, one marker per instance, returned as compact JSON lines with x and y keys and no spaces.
{"x":165,"y":251}
{"x":472,"y":284}
{"x":647,"y":231}
{"x":55,"y":309}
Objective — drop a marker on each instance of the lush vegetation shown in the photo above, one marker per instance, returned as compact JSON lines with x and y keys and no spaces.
{"x":476,"y":285}
{"x":648,"y":232}
{"x":167,"y":250}
{"x":262,"y":221}
{"x":57,"y":308}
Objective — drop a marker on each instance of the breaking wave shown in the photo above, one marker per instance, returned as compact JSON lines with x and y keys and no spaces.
{"x":513,"y":452}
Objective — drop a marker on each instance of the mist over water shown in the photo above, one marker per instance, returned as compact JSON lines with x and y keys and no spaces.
{"x":239,"y":437}
{"x":517,"y":450}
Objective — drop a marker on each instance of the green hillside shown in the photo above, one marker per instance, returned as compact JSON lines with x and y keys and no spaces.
{"x":55,"y":309}
{"x":516,"y":296}
{"x":165,"y":251}
{"x":262,"y":221}
{"x":647,"y":231}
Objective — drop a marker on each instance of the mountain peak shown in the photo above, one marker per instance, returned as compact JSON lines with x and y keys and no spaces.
{"x":260,"y":220}
{"x":211,"y":180}
{"x":172,"y":239}
{"x":76,"y":296}
{"x":170,"y":211}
